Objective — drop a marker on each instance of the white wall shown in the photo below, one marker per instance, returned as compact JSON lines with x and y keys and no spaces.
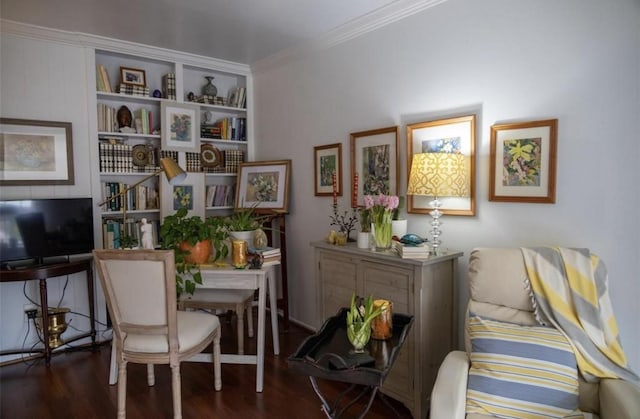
{"x":46,"y":81}
{"x":575,"y":60}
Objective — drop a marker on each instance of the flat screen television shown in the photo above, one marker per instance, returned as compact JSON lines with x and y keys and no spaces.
{"x":38,"y":231}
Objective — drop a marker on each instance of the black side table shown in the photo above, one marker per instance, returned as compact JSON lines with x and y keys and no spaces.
{"x":327,"y":355}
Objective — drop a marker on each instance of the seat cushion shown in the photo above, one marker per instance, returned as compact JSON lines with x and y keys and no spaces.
{"x":193,"y":328}
{"x":521,"y":371}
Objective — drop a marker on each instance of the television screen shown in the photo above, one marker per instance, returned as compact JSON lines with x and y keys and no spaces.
{"x":36,"y":229}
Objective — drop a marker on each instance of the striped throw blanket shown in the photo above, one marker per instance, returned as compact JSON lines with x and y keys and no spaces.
{"x":569,"y":291}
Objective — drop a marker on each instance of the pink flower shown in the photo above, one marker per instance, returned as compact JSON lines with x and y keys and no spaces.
{"x":368,"y":201}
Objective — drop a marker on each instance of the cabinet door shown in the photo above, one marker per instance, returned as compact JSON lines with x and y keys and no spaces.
{"x":394,"y":283}
{"x":338,"y":281}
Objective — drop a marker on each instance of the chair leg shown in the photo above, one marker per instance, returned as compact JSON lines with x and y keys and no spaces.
{"x":151,"y":377}
{"x":240,"y":327}
{"x":217,"y":374}
{"x":250,"y":318}
{"x":177,"y":396}
{"x":113,"y":364}
{"x":122,"y":390}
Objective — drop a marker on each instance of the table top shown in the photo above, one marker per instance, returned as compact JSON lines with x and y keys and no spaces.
{"x":326,"y":353}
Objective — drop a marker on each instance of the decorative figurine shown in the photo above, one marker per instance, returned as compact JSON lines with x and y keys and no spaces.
{"x":147,"y":235}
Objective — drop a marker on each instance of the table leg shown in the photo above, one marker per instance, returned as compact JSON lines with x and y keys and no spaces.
{"x":262,"y":305}
{"x":92,"y":314}
{"x":44,"y":310}
{"x":274,"y":311}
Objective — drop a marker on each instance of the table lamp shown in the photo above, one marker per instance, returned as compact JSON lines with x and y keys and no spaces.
{"x":174,"y":173}
{"x":438,"y":175}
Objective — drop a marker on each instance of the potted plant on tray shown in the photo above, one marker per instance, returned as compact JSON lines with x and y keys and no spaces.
{"x":192,"y":240}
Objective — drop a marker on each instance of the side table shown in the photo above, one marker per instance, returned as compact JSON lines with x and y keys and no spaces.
{"x":326,"y":355}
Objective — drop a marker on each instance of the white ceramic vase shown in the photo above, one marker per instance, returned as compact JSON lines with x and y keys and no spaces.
{"x":363,"y":240}
{"x":398,"y":228}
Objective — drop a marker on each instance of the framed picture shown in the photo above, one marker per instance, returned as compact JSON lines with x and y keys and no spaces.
{"x":189,"y":194}
{"x":180,"y":127}
{"x":523,"y":162}
{"x":374,"y":160}
{"x":327,"y":161}
{"x":133,"y":76}
{"x":35,"y":152}
{"x":265,"y":185}
{"x":456,"y":136}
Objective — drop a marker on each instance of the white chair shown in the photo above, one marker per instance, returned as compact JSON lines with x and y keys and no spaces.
{"x":140,"y":290}
{"x":498,"y":292}
{"x":236,"y":300}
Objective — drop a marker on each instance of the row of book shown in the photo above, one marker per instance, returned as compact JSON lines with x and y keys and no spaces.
{"x":220,"y":195}
{"x":143,"y":121}
{"x":117,"y":157}
{"x":107,"y":118}
{"x":103,"y":83}
{"x":114,"y":229}
{"x":229,"y":128}
{"x":237,"y":97}
{"x":139,"y":198}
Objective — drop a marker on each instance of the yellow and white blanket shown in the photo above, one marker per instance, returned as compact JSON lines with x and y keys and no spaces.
{"x":569,"y":291}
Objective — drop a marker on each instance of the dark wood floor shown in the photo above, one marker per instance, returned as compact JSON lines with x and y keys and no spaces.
{"x":75,"y":386}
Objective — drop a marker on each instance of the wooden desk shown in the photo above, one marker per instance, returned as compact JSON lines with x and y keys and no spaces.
{"x":262,"y":280}
{"x":42,"y":273}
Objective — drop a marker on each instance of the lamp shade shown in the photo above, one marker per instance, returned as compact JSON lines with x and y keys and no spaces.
{"x":439,"y":174}
{"x":174,"y":173}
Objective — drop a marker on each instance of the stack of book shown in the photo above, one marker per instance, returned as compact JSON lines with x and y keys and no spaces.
{"x":270,"y":255}
{"x":420,"y":251}
{"x":128,"y":89}
{"x":169,"y":86}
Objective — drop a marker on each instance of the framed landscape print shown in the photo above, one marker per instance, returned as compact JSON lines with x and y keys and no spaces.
{"x":374,"y":163}
{"x":264,"y":185}
{"x":35,"y":152}
{"x":133,"y":76}
{"x":327,"y":161}
{"x":180,"y":127}
{"x":456,"y":135}
{"x":523,"y":162}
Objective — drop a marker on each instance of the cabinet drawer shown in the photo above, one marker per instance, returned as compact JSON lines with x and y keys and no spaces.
{"x":390,"y":283}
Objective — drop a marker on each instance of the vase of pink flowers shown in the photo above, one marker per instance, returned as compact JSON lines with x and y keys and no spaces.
{"x":381,"y":208}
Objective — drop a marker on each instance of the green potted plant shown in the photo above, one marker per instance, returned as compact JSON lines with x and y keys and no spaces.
{"x":192,"y":240}
{"x":398,"y":225}
{"x":242,"y":223}
{"x":128,"y":242}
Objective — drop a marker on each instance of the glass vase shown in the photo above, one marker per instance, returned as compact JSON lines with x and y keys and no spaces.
{"x":381,"y":232}
{"x":359,"y":334}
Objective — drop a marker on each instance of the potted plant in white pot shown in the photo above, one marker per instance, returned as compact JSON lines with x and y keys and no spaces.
{"x":398,"y":225}
{"x":365,"y":228}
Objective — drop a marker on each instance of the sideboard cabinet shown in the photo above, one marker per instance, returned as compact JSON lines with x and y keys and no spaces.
{"x":422,"y":288}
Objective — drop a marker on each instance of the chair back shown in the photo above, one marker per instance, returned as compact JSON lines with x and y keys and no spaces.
{"x":139,"y":287}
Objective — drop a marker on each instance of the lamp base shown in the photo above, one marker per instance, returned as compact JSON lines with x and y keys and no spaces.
{"x":435,"y":225}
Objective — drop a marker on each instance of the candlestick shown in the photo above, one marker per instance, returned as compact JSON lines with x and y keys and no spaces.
{"x":335,"y":190}
{"x":354,"y":195}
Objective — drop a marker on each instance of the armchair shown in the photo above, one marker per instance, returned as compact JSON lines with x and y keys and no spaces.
{"x":498,"y":292}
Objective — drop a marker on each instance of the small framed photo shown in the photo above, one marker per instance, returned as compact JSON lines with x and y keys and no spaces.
{"x":133,"y":76}
{"x":188,"y":194}
{"x":523,"y":162}
{"x":374,"y":159}
{"x":180,"y":127}
{"x":264,"y":185}
{"x":35,"y":152}
{"x":327,"y":161}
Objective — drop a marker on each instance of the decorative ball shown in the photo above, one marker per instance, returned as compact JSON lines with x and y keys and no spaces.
{"x":157,"y":93}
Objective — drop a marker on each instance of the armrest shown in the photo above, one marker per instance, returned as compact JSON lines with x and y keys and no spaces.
{"x":619,"y":399}
{"x":449,"y":394}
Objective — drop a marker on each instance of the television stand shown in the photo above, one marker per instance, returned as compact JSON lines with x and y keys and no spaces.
{"x":42,"y":273}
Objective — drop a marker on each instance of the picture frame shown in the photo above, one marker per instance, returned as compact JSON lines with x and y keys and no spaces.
{"x":133,"y":76}
{"x":456,"y":135}
{"x":189,"y":193}
{"x":264,"y":185}
{"x":34,"y":152}
{"x":523,"y":162}
{"x":180,"y":127}
{"x":327,"y":160}
{"x":375,"y":160}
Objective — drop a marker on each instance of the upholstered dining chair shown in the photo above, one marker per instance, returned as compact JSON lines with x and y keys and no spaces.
{"x":140,"y":290}
{"x":511,"y":362}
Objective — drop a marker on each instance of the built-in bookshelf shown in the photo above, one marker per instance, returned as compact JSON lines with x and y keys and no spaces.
{"x":131,"y":91}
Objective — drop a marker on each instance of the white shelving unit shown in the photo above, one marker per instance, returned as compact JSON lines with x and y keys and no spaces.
{"x":190,"y":72}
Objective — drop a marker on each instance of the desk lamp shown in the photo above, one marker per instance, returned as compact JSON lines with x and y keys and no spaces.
{"x":438,"y":175}
{"x":175,"y":175}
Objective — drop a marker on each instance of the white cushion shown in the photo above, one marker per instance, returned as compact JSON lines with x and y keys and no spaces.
{"x":193,"y":328}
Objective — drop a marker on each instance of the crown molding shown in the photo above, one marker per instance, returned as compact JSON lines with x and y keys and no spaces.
{"x":379,"y":18}
{"x":119,"y":46}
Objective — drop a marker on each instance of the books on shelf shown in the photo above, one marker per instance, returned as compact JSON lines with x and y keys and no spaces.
{"x":117,"y":157}
{"x":128,"y":89}
{"x":103,"y":84}
{"x":220,"y":195}
{"x":141,"y":197}
{"x":169,"y":86}
{"x":269,"y":254}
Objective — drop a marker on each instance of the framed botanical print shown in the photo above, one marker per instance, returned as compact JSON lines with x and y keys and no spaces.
{"x":375,"y":167}
{"x":453,"y":137}
{"x":327,"y":161}
{"x":180,"y":127}
{"x":523,"y":162}
{"x":188,"y":194}
{"x":264,"y":185}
